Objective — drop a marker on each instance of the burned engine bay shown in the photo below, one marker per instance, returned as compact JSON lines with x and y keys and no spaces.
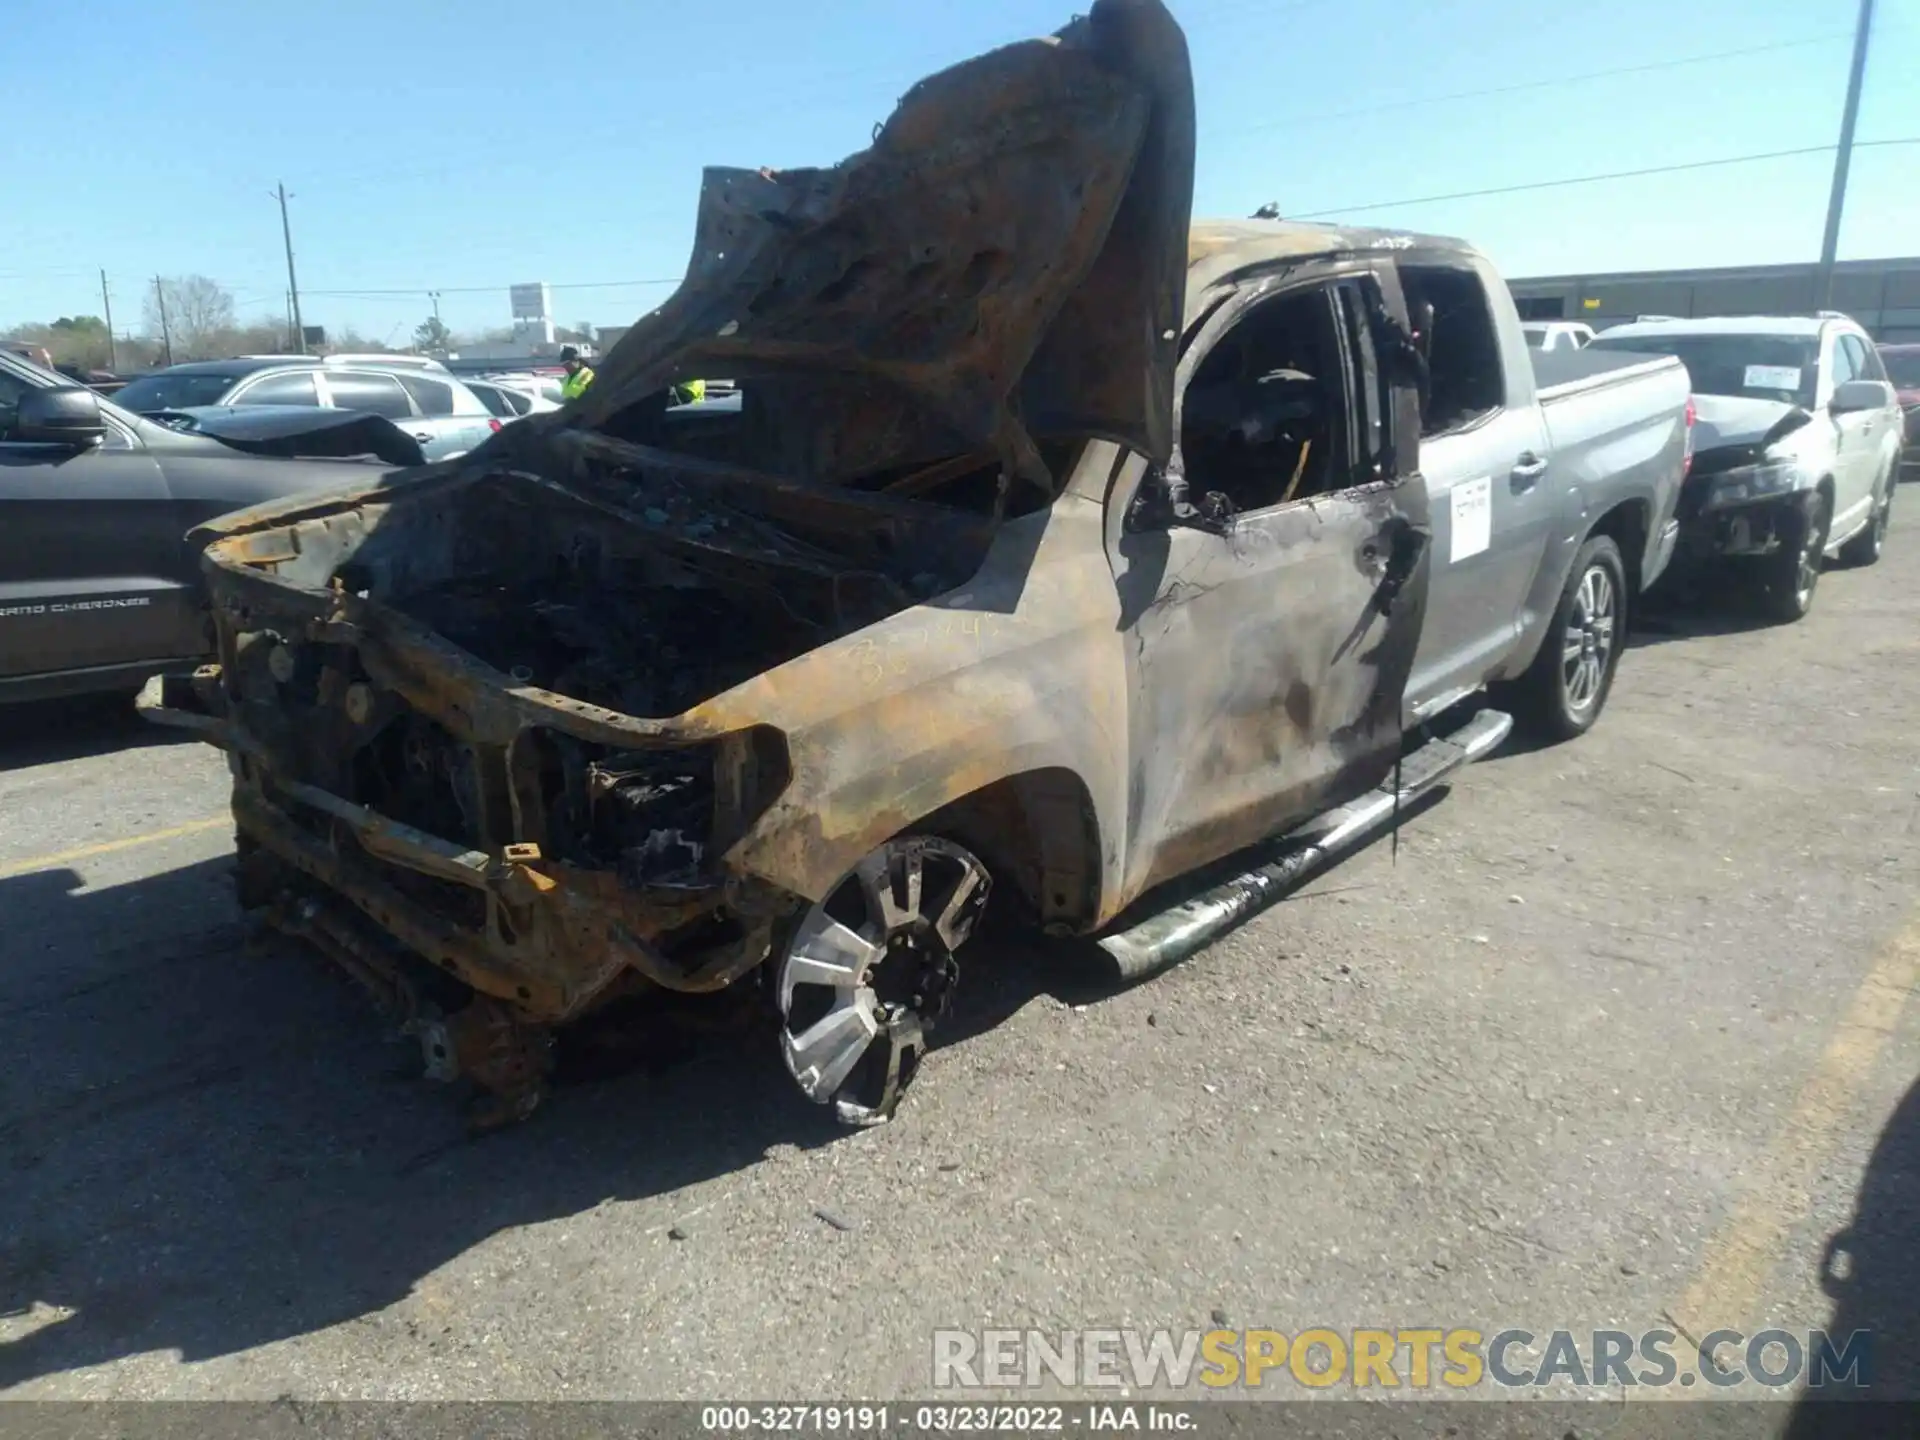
{"x":459,"y":701}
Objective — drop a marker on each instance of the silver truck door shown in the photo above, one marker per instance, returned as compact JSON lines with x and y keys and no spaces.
{"x":1272,"y":627}
{"x":1484,"y":451}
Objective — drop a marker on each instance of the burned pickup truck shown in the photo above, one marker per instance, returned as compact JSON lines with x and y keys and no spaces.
{"x":1058,"y":548}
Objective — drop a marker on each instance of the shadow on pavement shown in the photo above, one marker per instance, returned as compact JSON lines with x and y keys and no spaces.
{"x":47,"y":732}
{"x":207,"y":1149}
{"x":1707,"y":603}
{"x":208,"y":1144}
{"x":1871,"y":1269}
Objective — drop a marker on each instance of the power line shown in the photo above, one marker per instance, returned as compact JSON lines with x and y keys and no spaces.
{"x":1591,"y":179}
{"x":1553,"y":82}
{"x":423,"y":290}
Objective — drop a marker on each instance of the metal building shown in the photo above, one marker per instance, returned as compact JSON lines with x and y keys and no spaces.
{"x":1883,"y":295}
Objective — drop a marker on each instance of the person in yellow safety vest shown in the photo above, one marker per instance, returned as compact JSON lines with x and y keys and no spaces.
{"x":579,"y":374}
{"x":689,"y":391}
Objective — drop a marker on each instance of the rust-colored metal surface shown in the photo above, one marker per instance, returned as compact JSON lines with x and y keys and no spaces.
{"x":1031,"y":202}
{"x":599,"y":710}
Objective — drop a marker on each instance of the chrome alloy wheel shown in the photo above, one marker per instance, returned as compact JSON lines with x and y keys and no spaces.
{"x":1589,"y":639}
{"x":870,"y":968}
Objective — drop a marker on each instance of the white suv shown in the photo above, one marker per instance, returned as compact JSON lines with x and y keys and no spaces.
{"x":1797,"y":446}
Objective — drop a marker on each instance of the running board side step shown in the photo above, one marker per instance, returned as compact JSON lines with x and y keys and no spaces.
{"x":1177,"y":932}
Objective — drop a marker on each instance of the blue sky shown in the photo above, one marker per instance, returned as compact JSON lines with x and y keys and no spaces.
{"x":465,"y":146}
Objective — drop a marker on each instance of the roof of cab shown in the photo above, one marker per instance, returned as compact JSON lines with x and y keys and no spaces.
{"x":1219,"y":249}
{"x":1253,"y":241}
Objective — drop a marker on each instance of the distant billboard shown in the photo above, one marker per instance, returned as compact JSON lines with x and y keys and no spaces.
{"x":531,"y":302}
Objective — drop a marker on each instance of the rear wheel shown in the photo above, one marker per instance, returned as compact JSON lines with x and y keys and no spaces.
{"x":1563,"y":692}
{"x":1791,"y":574}
{"x":869,"y":969}
{"x":1867,"y":547}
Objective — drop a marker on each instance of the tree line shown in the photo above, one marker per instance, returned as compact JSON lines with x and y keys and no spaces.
{"x":194,"y":318}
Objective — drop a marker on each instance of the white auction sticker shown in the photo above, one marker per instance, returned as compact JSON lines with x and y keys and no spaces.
{"x":1773,"y":377}
{"x":1472,"y":518}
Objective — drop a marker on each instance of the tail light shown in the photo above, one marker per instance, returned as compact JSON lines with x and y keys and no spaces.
{"x":1686,"y":460}
{"x":494,"y":424}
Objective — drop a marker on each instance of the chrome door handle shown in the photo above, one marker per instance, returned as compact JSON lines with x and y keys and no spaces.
{"x":1527,"y":471}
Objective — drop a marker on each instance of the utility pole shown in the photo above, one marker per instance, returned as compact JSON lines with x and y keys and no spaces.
{"x":166,"y":335}
{"x":293,"y":285}
{"x":1836,"y":202}
{"x":106,"y":301}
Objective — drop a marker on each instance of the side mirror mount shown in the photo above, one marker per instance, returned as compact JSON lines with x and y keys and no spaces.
{"x":1850,"y":396}
{"x":1162,"y":503}
{"x":67,"y":415}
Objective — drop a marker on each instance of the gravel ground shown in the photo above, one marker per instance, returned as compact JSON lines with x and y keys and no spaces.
{"x":1619,"y":1035}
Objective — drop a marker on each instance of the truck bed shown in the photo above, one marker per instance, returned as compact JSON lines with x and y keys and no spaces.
{"x":1558,"y":374}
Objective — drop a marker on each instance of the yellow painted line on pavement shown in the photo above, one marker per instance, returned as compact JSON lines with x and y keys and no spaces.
{"x":1732,"y":1278}
{"x":107,"y":847}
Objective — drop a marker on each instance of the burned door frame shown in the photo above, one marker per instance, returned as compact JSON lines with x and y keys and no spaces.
{"x":1247,"y":713}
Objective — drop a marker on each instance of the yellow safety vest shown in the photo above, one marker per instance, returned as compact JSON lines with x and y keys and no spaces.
{"x":688,"y":391}
{"x":575,"y":385}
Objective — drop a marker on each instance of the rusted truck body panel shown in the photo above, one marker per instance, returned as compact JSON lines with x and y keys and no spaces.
{"x":600,"y":710}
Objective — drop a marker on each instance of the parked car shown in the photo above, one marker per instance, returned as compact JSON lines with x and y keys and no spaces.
{"x":1556,"y":334}
{"x":541,"y":385}
{"x":509,"y":402}
{"x":418,"y":395}
{"x":35,"y":354}
{"x":1170,"y":559}
{"x":101,"y":382}
{"x":1902,"y":363}
{"x":1798,"y":446}
{"x":98,"y":586}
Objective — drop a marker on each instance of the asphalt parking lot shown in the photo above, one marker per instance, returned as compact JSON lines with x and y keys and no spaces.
{"x":1622,"y":1033}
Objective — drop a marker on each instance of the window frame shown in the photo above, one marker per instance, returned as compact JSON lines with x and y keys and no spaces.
{"x":1876,"y":367}
{"x":1466,"y":266}
{"x":1833,"y":377}
{"x":1857,"y":356}
{"x":268,"y":377}
{"x":1377,"y":281}
{"x":326,"y":379}
{"x":407,"y":382}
